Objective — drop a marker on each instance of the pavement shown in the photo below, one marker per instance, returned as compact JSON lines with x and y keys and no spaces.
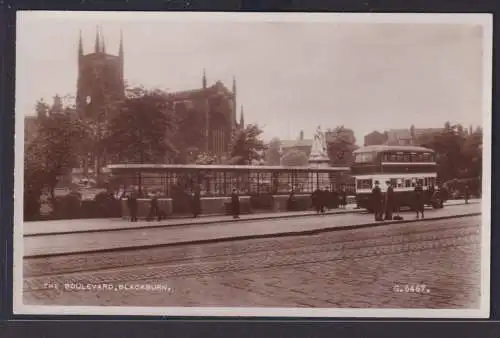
{"x":249,"y":228}
{"x":38,"y":228}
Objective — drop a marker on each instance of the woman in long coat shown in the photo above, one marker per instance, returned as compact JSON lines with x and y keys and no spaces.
{"x":235,"y":204}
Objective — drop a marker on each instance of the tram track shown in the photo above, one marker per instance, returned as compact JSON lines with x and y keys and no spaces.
{"x":272,"y":254}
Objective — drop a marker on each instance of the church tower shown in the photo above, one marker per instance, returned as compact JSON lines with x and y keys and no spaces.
{"x":100,"y":86}
{"x":100,"y":78}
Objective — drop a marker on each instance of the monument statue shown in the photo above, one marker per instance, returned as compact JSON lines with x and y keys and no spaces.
{"x":318,"y":149}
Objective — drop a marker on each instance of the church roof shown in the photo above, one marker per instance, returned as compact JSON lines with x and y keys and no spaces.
{"x":296,"y":143}
{"x":218,"y":87}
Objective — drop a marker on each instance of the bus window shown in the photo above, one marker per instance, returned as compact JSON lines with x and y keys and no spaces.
{"x":394,"y":182}
{"x":420,"y":181}
{"x":426,"y":182}
{"x":399,"y":183}
{"x":364,"y":158}
{"x":406,"y":157}
{"x":426,"y":157}
{"x":408,"y":183}
{"x":399,"y":157}
{"x":364,"y":184}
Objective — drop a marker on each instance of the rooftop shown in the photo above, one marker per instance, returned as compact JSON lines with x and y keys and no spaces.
{"x":379,"y":148}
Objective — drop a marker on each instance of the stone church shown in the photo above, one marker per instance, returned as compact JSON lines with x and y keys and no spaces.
{"x":101,"y":84}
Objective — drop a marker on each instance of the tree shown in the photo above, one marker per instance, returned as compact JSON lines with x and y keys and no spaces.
{"x":53,"y":152}
{"x":294,"y":158}
{"x":375,"y":138}
{"x":459,"y":153}
{"x":341,"y":142}
{"x":273,"y":152}
{"x":188,"y":138}
{"x":247,"y":145}
{"x":473,"y":153}
{"x":139,"y":132}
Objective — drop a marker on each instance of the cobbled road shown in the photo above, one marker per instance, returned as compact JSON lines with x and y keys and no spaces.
{"x":360,"y":268}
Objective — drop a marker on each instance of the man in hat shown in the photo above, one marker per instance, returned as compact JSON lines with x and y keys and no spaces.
{"x":377,"y":201}
{"x":235,"y":204}
{"x":389,"y":201}
{"x":419,"y":200}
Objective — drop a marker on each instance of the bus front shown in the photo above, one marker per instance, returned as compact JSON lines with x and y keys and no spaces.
{"x":366,"y":165}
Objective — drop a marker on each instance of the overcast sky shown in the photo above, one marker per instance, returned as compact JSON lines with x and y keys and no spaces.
{"x":290,"y":75}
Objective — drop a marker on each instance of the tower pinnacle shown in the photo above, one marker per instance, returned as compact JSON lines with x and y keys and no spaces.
{"x":242,"y":118}
{"x":80,"y":45}
{"x":97,"y":45}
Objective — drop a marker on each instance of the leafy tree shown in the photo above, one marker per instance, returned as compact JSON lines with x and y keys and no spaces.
{"x":375,"y":138}
{"x":139,"y":132}
{"x":53,"y":152}
{"x":341,"y":142}
{"x":188,"y":139}
{"x":294,"y":158}
{"x":473,"y":153}
{"x":273,"y":152}
{"x":459,"y":153}
{"x":247,"y":145}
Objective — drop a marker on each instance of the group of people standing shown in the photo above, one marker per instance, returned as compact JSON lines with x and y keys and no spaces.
{"x":155,"y":211}
{"x":323,"y":199}
{"x":385,"y":204}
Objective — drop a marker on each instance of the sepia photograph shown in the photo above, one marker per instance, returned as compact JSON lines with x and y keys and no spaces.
{"x":253,"y":164}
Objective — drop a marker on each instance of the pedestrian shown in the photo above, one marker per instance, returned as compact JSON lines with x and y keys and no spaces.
{"x":235,"y":204}
{"x":322,"y":200}
{"x":377,"y":201}
{"x":325,"y":197}
{"x":389,"y":201}
{"x":132,"y":206}
{"x":196,"y":204}
{"x":154,"y":210}
{"x":316,"y":200}
{"x":466,"y":194}
{"x":290,"y":204}
{"x":443,"y":195}
{"x":335,"y":199}
{"x":343,"y":198}
{"x":419,"y":200}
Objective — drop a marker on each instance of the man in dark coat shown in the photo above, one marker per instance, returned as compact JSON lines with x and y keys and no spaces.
{"x":443,"y":195}
{"x":290,"y":204}
{"x":196,"y":204}
{"x":132,"y":206}
{"x":316,"y":200}
{"x":235,"y":204}
{"x":335,"y":199}
{"x":154,"y":210}
{"x":389,"y":202}
{"x":377,"y":201}
{"x":343,"y":198}
{"x":419,"y":200}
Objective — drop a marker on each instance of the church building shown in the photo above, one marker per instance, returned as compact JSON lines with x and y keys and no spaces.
{"x":101,"y":84}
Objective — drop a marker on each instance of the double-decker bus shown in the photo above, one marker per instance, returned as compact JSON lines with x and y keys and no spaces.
{"x":403,"y":166}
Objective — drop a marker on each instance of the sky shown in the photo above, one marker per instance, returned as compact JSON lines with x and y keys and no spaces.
{"x":291,"y":75}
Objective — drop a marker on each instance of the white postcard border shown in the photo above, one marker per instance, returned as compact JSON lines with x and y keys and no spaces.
{"x":484,"y":20}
